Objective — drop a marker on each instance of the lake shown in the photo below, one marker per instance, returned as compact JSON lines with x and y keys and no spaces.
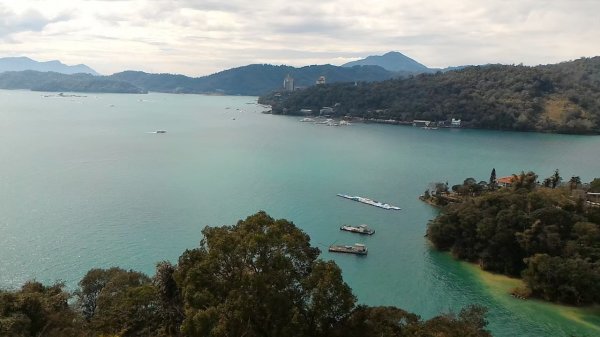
{"x":86,"y":183}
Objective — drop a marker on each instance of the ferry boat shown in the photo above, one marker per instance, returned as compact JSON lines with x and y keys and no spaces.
{"x":361,"y":229}
{"x":358,"y":249}
{"x":370,"y":202}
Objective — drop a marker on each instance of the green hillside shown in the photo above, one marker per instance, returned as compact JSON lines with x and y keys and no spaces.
{"x":562,"y":97}
{"x":252,"y":80}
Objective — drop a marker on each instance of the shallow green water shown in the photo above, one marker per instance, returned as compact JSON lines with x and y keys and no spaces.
{"x":84,"y":184}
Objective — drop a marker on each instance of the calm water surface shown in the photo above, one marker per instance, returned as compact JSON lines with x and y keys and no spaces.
{"x":83,"y":184}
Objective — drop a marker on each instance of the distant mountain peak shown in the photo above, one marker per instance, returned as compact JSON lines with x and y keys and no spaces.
{"x":21,"y":63}
{"x":392,"y":61}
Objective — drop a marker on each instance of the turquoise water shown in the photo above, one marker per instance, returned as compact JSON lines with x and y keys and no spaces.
{"x":85,"y":184}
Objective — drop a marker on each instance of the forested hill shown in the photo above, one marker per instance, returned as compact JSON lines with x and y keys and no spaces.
{"x":548,"y":234}
{"x":55,"y":82}
{"x":562,"y":97}
{"x":256,"y":79}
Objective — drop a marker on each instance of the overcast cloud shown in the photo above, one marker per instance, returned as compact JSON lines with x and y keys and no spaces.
{"x":203,"y":37}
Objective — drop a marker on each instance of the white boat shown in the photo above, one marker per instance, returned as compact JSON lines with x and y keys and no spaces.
{"x":370,"y":202}
{"x":307,"y":119}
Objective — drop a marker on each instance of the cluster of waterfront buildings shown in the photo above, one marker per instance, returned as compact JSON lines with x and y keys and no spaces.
{"x":288,"y":83}
{"x":326,"y":111}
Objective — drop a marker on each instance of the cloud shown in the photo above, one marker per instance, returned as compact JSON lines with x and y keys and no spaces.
{"x":30,"y":20}
{"x":200,"y":37}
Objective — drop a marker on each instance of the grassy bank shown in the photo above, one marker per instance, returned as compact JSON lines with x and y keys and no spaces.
{"x":585,"y":320}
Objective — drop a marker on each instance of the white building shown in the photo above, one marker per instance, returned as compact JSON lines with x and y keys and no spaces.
{"x":288,"y":83}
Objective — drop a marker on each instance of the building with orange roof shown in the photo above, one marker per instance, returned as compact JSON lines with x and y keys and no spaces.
{"x":505,"y":181}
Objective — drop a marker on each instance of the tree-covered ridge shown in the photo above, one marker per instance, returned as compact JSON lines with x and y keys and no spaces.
{"x":56,"y":82}
{"x":258,"y":278}
{"x":546,"y":235}
{"x":562,"y":97}
{"x":255,"y":79}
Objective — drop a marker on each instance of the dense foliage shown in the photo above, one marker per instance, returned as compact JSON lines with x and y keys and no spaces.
{"x":255,"y":79}
{"x":545,"y":235}
{"x":563,"y":97}
{"x":55,"y":82}
{"x":259,"y":277}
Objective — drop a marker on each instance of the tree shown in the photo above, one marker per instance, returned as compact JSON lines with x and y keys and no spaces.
{"x":169,"y":298}
{"x":492,"y":183}
{"x":119,"y":301}
{"x":380,"y":322}
{"x":37,"y":310}
{"x":260,"y":278}
{"x":595,"y":185}
{"x":329,"y":300}
{"x":555,"y":179}
{"x":470,"y":322}
{"x":524,"y":180}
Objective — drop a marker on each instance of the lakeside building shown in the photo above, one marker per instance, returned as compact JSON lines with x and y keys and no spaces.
{"x":288,"y":83}
{"x":593,"y":199}
{"x":321,"y":80}
{"x":421,"y":123}
{"x":505,"y":181}
{"x":455,"y":123}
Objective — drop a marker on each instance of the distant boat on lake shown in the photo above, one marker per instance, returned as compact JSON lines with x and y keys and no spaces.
{"x":358,"y":249}
{"x":360,"y":229}
{"x":370,"y":202}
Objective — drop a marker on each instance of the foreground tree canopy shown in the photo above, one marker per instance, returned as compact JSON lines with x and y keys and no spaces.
{"x":260,"y":277}
{"x":545,"y":234}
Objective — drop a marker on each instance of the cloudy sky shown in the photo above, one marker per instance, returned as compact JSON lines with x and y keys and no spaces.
{"x":200,"y":37}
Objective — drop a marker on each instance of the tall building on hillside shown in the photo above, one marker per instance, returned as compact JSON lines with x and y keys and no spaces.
{"x":321,"y":80}
{"x":288,"y":83}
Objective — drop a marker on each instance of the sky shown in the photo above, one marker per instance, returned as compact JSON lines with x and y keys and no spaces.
{"x":201,"y":37}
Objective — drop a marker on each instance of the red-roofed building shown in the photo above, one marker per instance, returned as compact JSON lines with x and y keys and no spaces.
{"x":505,"y":181}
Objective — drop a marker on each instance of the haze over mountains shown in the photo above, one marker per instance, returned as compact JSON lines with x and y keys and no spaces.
{"x":254,"y":79}
{"x":392,"y":61}
{"x":25,"y":63}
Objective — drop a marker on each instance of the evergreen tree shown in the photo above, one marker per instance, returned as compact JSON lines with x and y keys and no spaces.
{"x":555,"y":179}
{"x":493,"y":179}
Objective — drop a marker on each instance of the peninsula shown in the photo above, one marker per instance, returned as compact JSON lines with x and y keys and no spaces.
{"x":548,"y":233}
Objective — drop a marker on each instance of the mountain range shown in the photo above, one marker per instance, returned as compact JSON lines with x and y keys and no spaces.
{"x":392,"y":61}
{"x":25,"y":63}
{"x":254,"y":79}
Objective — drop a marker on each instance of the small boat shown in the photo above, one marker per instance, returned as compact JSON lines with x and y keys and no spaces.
{"x":360,"y":229}
{"x":370,"y":202}
{"x":307,"y":119}
{"x":358,"y":249}
{"x":161,"y":131}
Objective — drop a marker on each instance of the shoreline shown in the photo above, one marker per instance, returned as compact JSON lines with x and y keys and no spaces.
{"x":500,"y":287}
{"x":410,"y":124}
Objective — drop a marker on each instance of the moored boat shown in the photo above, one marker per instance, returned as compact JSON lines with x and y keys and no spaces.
{"x":370,"y":202}
{"x":360,"y":229}
{"x":358,"y":249}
